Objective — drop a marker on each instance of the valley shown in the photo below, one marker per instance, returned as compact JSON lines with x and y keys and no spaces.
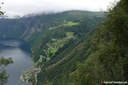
{"x":73,"y":47}
{"x":50,"y":36}
{"x":20,"y":52}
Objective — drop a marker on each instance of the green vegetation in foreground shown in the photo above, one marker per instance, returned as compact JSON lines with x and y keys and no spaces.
{"x":3,"y":75}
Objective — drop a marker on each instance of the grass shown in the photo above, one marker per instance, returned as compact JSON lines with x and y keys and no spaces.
{"x":58,"y":43}
{"x":70,"y":23}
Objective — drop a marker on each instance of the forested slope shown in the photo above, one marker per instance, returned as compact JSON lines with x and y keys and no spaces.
{"x":100,"y":55}
{"x":74,"y":47}
{"x":59,"y":42}
{"x":50,"y":32}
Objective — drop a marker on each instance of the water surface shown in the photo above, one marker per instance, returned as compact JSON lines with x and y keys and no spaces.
{"x":20,"y":52}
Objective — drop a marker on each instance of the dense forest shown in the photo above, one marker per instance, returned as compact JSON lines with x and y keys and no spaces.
{"x":75,"y":47}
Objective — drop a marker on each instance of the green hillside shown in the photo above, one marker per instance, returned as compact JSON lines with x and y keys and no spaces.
{"x":102,"y":55}
{"x":50,"y":32}
{"x":74,"y":47}
{"x":60,"y":42}
{"x":67,"y":28}
{"x":62,"y":46}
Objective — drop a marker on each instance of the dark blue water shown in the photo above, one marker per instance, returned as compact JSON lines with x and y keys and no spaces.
{"x":20,"y":52}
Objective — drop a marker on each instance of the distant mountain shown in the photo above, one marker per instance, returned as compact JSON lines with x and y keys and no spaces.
{"x":26,"y":27}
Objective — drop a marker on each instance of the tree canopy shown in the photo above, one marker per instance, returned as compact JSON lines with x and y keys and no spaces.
{"x":1,"y":12}
{"x":3,"y":63}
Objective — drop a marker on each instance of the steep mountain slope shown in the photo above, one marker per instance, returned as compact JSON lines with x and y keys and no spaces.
{"x":61,"y":47}
{"x":70,"y":51}
{"x":11,"y":28}
{"x":59,"y":41}
{"x":50,"y":31}
{"x":67,"y":30}
{"x":99,"y":56}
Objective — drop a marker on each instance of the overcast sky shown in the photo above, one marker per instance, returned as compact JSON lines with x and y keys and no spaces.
{"x":23,"y":7}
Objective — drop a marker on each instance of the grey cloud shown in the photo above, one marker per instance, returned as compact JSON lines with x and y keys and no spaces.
{"x":22,"y":7}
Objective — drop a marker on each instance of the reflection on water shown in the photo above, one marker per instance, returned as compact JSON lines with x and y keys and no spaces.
{"x":19,"y":51}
